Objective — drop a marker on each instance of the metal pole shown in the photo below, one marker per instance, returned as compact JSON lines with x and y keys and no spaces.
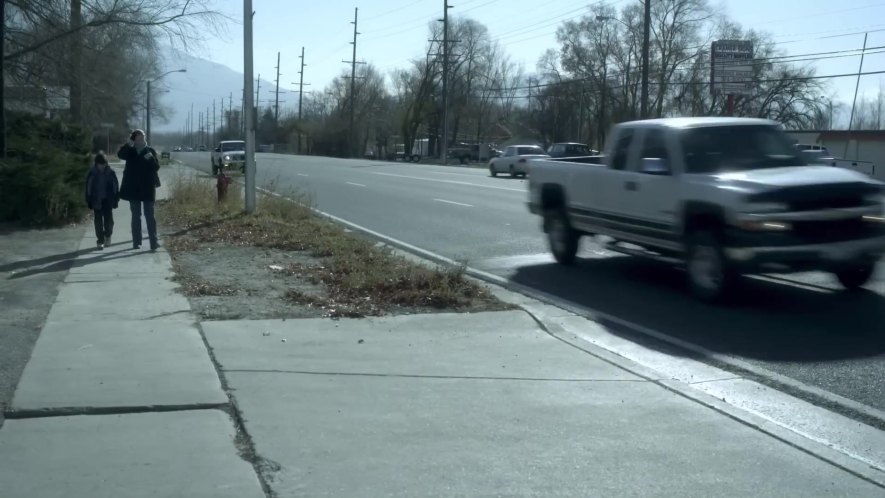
{"x":276,"y":102}
{"x":213,"y":119}
{"x":147,"y":126}
{"x":445,"y":82}
{"x":646,"y":34}
{"x":2,"y":79}
{"x":248,"y":105}
{"x":853,"y":104}
{"x":300,"y":96}
{"x":353,"y":84}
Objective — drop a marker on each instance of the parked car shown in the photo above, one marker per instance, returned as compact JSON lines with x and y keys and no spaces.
{"x":229,"y":154}
{"x":177,"y":148}
{"x":720,"y":196}
{"x":823,"y":150}
{"x":570,"y":149}
{"x":515,"y":160}
{"x":463,"y":153}
{"x":201,"y":148}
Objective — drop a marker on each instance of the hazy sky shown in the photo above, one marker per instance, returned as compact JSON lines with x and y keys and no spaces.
{"x":395,"y":31}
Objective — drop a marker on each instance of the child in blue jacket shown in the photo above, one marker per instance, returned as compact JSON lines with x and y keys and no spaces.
{"x":102,"y":197}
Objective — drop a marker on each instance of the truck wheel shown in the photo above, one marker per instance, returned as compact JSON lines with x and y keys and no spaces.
{"x":854,"y":276}
{"x":563,"y":239}
{"x":493,"y":171}
{"x":512,"y":173}
{"x":214,"y":170}
{"x":709,"y":274}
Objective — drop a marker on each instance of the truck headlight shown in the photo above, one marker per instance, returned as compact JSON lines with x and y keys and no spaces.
{"x":874,"y":219}
{"x":227,"y":158}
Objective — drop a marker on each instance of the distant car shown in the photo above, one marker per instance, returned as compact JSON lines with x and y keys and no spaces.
{"x":177,"y":148}
{"x":806,"y":147}
{"x":201,"y":148}
{"x":229,"y":154}
{"x":515,"y":160}
{"x":570,"y":149}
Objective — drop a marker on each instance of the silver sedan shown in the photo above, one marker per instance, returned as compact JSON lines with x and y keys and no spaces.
{"x":515,"y":160}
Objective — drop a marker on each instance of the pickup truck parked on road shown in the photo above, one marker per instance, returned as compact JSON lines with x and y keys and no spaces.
{"x":229,"y":154}
{"x":720,"y":196}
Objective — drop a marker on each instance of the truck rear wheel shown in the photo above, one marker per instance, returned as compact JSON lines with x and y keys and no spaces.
{"x":710,"y":275}
{"x":563,"y":239}
{"x":855,"y":275}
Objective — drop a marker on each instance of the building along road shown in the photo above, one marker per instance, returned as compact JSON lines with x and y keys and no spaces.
{"x":799,"y":326}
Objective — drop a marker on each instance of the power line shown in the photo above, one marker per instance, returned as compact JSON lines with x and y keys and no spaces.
{"x":684,"y":83}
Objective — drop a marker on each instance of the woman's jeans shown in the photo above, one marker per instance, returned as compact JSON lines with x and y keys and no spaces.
{"x":136,"y":208}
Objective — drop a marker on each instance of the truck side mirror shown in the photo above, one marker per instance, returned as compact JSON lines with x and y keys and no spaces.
{"x":217,"y":149}
{"x":655,"y":166}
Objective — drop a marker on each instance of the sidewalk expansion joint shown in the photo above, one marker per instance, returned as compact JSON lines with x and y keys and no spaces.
{"x":28,"y":413}
{"x":424,"y":376}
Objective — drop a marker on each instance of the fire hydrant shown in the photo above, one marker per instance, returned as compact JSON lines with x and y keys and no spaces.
{"x":221,"y":185}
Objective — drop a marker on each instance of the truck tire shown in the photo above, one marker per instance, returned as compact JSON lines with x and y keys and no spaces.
{"x":512,"y":173}
{"x":563,"y":239}
{"x":215,"y":169}
{"x":855,"y":275}
{"x":493,"y":171}
{"x":710,"y":276}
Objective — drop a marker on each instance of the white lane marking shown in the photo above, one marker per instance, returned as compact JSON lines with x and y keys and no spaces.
{"x":455,"y":182}
{"x":355,"y":184}
{"x":453,"y":202}
{"x":485,"y":175}
{"x":302,"y":174}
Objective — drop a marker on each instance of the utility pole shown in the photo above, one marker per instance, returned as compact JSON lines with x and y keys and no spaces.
{"x":213,"y":118}
{"x":147,"y":117}
{"x":445,"y":82}
{"x":353,"y":64}
{"x":230,"y":114}
{"x":258,"y":91}
{"x":248,"y":104}
{"x":276,"y":105}
{"x":646,"y":35}
{"x":3,"y":80}
{"x":191,"y":131}
{"x":854,"y":103}
{"x":300,"y":95}
{"x":76,"y":96}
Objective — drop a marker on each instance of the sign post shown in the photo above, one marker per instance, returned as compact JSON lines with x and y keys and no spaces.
{"x":731,"y":70}
{"x":107,"y":128}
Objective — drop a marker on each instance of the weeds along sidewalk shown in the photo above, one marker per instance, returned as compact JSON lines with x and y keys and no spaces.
{"x":320,"y":269}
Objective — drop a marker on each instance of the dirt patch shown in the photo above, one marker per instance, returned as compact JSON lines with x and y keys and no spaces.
{"x":286,"y":263}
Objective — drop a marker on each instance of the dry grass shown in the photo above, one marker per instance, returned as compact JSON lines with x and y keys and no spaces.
{"x":360,"y":278}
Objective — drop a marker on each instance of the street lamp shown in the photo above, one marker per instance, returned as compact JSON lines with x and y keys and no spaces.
{"x":147,"y":127}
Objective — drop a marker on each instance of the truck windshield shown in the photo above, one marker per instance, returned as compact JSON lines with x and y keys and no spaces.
{"x":233,"y":146}
{"x":717,"y":149}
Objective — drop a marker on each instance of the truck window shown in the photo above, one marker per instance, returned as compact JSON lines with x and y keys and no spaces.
{"x":622,"y":149}
{"x":654,"y":146}
{"x":715,"y":149}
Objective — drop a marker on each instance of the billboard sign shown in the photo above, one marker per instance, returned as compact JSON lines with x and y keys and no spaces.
{"x":731,"y":67}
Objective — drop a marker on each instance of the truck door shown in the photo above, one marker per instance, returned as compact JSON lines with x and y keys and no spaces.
{"x":603,"y":193}
{"x":651,"y":190}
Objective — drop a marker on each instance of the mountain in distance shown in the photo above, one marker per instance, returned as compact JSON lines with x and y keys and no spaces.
{"x":204,"y":81}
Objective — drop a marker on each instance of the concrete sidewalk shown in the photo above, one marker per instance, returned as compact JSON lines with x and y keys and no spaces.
{"x":486,"y":405}
{"x":121,"y":398}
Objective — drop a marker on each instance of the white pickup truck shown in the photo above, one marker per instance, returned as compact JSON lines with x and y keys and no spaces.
{"x":229,"y":154}
{"x":719,"y":196}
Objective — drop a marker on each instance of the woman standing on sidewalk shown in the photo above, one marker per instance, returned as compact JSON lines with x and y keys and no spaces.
{"x":140,"y":182}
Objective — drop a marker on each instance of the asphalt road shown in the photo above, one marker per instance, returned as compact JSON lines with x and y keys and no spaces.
{"x":800,"y":326}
